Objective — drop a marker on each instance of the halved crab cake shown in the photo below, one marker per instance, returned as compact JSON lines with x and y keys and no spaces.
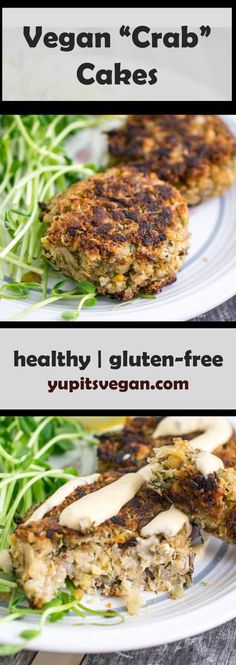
{"x":114,"y":556}
{"x":123,"y":230}
{"x":197,"y":482}
{"x":196,"y":153}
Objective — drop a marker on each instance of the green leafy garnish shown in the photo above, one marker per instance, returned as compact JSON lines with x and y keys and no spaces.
{"x":64,"y":603}
{"x":33,"y":168}
{"x":84,"y":291}
{"x":133,"y":301}
{"x":26,"y":477}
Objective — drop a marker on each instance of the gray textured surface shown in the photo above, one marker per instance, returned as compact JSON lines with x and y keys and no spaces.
{"x":225,"y":312}
{"x":23,"y":658}
{"x":215,"y":646}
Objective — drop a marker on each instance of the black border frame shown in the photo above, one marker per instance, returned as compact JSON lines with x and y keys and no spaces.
{"x":118,"y":324}
{"x":119,"y":412}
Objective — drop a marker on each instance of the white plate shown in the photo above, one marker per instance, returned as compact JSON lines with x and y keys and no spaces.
{"x":207,"y":279}
{"x":160,"y":621}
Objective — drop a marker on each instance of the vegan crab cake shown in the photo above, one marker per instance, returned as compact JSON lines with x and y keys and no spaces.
{"x":123,"y":230}
{"x":197,"y":482}
{"x":196,"y":153}
{"x":130,"y":447}
{"x":114,"y":556}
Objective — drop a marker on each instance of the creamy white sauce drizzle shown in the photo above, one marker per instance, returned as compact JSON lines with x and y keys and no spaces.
{"x":146,"y":472}
{"x":60,"y":495}
{"x":207,"y":463}
{"x":106,"y":502}
{"x":5,"y":561}
{"x":99,"y":506}
{"x":169,"y":522}
{"x":217,"y":430}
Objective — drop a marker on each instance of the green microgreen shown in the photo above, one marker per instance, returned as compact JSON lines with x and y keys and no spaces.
{"x":34,"y":166}
{"x":27,"y":478}
{"x":57,"y":609}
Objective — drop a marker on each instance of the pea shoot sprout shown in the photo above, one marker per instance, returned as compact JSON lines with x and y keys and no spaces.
{"x":34,"y":167}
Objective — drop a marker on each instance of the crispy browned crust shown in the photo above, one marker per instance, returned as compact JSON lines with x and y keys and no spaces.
{"x":130,"y":447}
{"x":123,"y":450}
{"x":132,"y":517}
{"x":103,"y":212}
{"x":123,"y":229}
{"x":142,"y":424}
{"x":195,"y":153}
{"x":209,"y":501}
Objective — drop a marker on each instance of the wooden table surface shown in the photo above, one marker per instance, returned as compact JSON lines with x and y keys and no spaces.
{"x":225,"y":312}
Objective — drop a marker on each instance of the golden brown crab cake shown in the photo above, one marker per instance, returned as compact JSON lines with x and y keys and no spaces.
{"x":114,"y":557}
{"x":196,"y":153}
{"x":198,"y":483}
{"x":123,"y":230}
{"x":130,"y":447}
